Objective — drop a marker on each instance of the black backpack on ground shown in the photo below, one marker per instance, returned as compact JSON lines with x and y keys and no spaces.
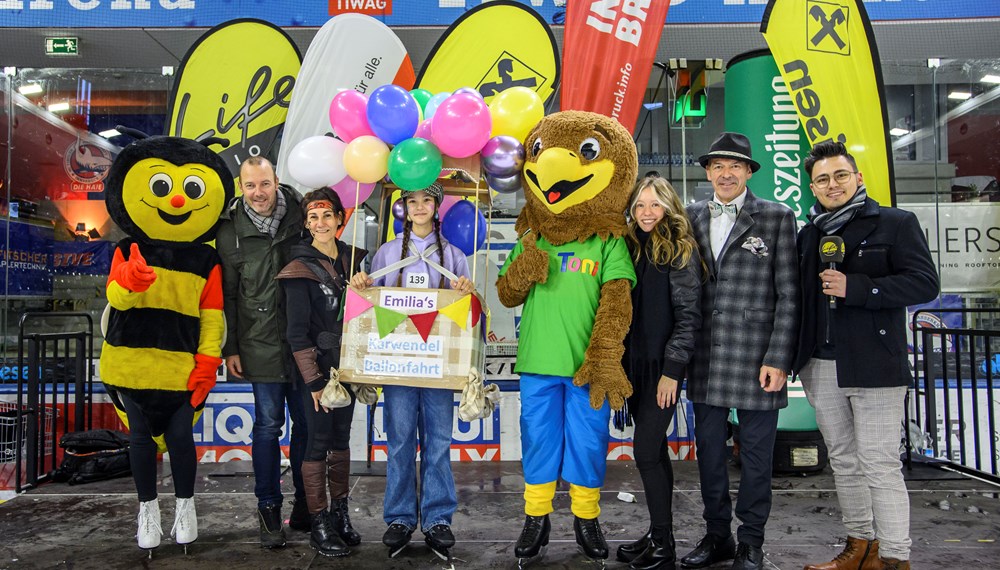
{"x":94,"y":455}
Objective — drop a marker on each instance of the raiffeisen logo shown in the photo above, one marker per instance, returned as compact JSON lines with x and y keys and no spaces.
{"x":367,"y":7}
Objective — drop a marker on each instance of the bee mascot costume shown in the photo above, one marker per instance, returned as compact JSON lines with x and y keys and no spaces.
{"x":572,"y":270}
{"x":165,"y":326}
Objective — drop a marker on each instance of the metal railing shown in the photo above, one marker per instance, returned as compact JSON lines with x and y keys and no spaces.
{"x":955,"y":405}
{"x":58,"y":381}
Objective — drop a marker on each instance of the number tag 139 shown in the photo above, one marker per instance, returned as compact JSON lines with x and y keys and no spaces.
{"x":417,"y":280}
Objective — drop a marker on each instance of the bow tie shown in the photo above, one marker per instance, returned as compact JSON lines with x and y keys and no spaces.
{"x":717,"y":209}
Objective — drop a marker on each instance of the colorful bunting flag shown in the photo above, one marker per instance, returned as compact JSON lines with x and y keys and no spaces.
{"x":459,"y":311}
{"x":387,"y":320}
{"x":354,"y":305}
{"x":477,"y":309}
{"x":424,"y":322}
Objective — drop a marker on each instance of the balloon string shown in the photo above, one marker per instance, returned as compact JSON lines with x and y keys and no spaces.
{"x":475,"y":231}
{"x":354,"y":238}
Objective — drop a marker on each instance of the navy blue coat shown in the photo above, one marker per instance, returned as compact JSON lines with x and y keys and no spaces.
{"x":888,"y":267}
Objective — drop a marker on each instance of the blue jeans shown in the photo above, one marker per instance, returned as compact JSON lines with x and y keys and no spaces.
{"x":269,"y":418}
{"x":430,"y":412}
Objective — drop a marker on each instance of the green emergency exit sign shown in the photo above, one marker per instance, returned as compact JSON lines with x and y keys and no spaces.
{"x":62,"y":46}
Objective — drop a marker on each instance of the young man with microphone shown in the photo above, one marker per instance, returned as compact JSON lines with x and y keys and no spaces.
{"x":852,"y":355}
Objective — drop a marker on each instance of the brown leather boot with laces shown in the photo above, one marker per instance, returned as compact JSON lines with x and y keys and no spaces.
{"x":859,"y":554}
{"x":893,"y":564}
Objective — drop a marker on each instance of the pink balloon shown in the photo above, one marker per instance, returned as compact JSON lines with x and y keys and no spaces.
{"x":350,"y":194}
{"x":347,"y":115}
{"x":461,"y":125}
{"x":424,"y":130}
{"x":446,"y":203}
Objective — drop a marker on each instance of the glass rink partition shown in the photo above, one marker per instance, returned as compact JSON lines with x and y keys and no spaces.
{"x":57,"y":140}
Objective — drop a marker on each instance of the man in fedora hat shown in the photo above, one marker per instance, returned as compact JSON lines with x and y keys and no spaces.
{"x":750,"y":308}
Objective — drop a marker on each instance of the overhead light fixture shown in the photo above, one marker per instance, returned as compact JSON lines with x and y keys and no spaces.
{"x":59,"y":107}
{"x":934,"y":62}
{"x":990,"y":79}
{"x":653,"y":106}
{"x":898,"y":132}
{"x":10,"y":71}
{"x":168,"y":70}
{"x":109,"y":133}
{"x":30,"y":89}
{"x":960,"y":95}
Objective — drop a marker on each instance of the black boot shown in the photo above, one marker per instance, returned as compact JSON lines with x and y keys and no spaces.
{"x":299,"y":519}
{"x":533,"y":537}
{"x":440,"y":539}
{"x":324,"y":538}
{"x":628,"y":552}
{"x":660,"y":553}
{"x":271,"y":533}
{"x":590,"y":538}
{"x":340,"y":517}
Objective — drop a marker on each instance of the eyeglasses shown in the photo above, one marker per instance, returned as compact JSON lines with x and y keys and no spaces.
{"x":841,"y":176}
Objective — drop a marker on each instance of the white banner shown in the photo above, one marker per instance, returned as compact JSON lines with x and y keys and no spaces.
{"x":965,"y":239}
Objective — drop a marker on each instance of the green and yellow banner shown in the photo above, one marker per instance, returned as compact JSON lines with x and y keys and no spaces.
{"x":826,"y":53}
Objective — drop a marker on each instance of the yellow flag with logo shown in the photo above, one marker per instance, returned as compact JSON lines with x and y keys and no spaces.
{"x":826,"y":53}
{"x":492,"y":47}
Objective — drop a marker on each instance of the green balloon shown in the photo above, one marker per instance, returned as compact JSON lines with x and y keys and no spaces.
{"x":414,"y":164}
{"x":422,"y":96}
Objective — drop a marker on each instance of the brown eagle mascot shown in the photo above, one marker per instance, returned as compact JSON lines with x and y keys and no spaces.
{"x":572,"y":270}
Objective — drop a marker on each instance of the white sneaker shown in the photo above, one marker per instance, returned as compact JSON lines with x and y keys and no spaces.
{"x":149,"y":524}
{"x":185,"y":529}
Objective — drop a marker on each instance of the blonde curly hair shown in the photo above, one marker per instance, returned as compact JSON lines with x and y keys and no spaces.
{"x":672,"y":239}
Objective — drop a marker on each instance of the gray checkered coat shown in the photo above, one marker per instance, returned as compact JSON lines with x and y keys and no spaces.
{"x":749,"y":306}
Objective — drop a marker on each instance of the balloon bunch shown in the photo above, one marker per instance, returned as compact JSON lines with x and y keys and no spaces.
{"x":406,"y":134}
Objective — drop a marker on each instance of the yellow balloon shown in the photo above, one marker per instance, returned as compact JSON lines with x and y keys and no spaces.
{"x":515,"y":111}
{"x":366,"y":159}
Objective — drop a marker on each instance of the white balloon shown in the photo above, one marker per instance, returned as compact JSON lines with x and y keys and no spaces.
{"x":317,"y":161}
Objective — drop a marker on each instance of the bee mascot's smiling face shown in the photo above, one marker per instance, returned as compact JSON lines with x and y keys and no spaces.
{"x":168,"y":190}
{"x":578,"y":171}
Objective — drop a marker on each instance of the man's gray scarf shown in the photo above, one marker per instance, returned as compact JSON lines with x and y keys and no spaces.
{"x":831,"y":222}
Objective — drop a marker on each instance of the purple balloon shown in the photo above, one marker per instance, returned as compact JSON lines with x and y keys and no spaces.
{"x":399,"y":210}
{"x":504,"y":184}
{"x":470,"y":90}
{"x":503,"y":156}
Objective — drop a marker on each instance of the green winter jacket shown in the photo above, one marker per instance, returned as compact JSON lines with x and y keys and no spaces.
{"x":254,"y":300}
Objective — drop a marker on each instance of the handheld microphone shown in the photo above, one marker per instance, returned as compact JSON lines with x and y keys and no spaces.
{"x":831,"y":252}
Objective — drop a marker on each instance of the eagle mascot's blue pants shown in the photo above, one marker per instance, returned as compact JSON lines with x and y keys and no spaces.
{"x":562,"y":437}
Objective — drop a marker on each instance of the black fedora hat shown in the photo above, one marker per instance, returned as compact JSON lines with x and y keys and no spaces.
{"x":730,"y":145}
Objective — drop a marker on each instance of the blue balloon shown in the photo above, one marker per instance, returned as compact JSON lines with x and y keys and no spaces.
{"x":459,"y":227}
{"x":397,"y":225}
{"x":393,"y":114}
{"x":434,"y":102}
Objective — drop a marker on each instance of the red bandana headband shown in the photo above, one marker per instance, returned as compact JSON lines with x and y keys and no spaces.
{"x":319,"y":204}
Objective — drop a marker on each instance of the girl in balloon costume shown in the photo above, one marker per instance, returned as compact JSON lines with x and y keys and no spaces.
{"x":165,"y":325}
{"x":419,"y":257}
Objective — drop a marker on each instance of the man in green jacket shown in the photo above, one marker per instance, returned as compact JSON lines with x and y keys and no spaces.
{"x":254,"y":239}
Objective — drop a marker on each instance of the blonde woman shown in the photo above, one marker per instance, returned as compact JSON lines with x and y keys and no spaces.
{"x":660,"y":342}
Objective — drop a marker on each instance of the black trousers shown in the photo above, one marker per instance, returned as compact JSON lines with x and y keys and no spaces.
{"x":142,"y":451}
{"x":327,"y":431}
{"x":649,"y":444}
{"x":753,"y":501}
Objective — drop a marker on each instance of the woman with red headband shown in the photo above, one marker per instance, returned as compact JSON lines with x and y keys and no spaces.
{"x":314,"y":283}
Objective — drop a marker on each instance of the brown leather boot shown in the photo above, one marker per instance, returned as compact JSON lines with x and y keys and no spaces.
{"x":339,"y":475}
{"x":859,"y":554}
{"x":893,"y":564}
{"x":314,"y":481}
